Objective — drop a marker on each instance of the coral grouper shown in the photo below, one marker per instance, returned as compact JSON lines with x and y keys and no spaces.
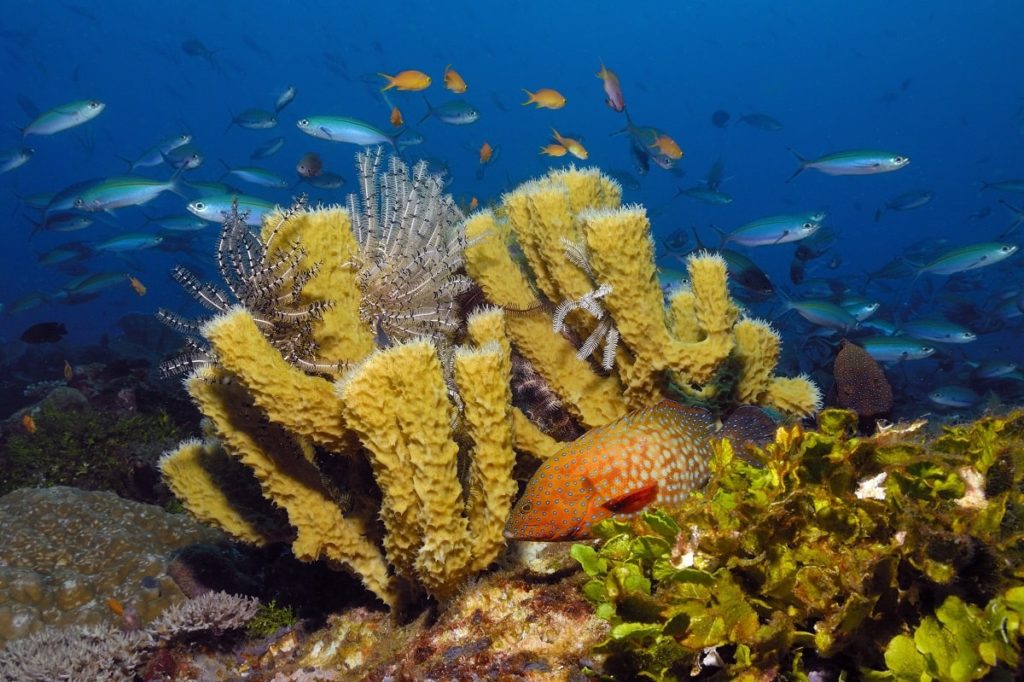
{"x":654,"y":456}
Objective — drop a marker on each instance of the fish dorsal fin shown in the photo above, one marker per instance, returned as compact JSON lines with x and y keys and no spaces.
{"x":632,"y":501}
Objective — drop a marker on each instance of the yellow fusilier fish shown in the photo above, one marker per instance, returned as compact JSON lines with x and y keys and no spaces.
{"x":406,"y":80}
{"x":651,"y":457}
{"x":545,"y":98}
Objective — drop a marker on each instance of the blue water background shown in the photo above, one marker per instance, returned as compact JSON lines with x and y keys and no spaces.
{"x":822,"y":68}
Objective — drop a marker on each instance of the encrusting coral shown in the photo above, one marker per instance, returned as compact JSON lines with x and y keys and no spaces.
{"x":589,"y":268}
{"x":341,"y":372}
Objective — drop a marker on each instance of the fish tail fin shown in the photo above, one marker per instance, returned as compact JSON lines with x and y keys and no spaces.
{"x":227,"y":169}
{"x":230,"y":125}
{"x":430,"y":110}
{"x":174,"y":185}
{"x":878,"y":214}
{"x":721,"y":233}
{"x":803,"y":164}
{"x":531,"y":97}
{"x":391,"y":81}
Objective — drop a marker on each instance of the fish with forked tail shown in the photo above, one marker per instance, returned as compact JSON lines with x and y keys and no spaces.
{"x":654,"y":456}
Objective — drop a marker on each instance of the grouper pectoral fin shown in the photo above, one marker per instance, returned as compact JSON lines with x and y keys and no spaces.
{"x":632,"y":501}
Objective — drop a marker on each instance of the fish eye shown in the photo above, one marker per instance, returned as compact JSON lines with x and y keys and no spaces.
{"x":94,"y":104}
{"x":199,"y":206}
{"x":79,"y":203}
{"x":808,"y":226}
{"x":303,"y":122}
{"x":527,"y":507}
{"x":900,"y":159}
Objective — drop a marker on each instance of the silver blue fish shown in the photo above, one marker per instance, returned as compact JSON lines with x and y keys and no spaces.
{"x":154,"y":156}
{"x":969,"y":258}
{"x":15,"y":158}
{"x":256,"y":176}
{"x":778,"y":229}
{"x":63,"y":117}
{"x":130,"y":241}
{"x":954,"y":396}
{"x":852,"y":162}
{"x":218,"y":207}
{"x":896,"y":348}
{"x":345,"y":129}
{"x":114,"y":193}
{"x":456,"y":112}
{"x":268,"y":148}
{"x":939,"y":331}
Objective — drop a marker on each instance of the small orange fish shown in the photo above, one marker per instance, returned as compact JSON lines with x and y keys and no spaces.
{"x":654,"y":456}
{"x":554,"y":150}
{"x":396,"y":117}
{"x":473,"y":203}
{"x":28,"y":423}
{"x":573,"y":146}
{"x":410,"y":80}
{"x":116,"y":606}
{"x":138,"y":286}
{"x":545,"y":98}
{"x":486,"y":152}
{"x":453,"y":81}
{"x":612,"y":89}
{"x":667,"y":146}
{"x":69,"y":373}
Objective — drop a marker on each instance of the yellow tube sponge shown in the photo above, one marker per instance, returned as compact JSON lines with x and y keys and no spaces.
{"x":490,"y":264}
{"x":621,"y":254}
{"x":483,"y":376}
{"x":757,"y":349}
{"x":588,"y":188}
{"x":187,"y":471}
{"x":305,"y":405}
{"x":682,"y":306}
{"x":797,"y":396}
{"x":327,"y":240}
{"x":528,"y":438}
{"x":397,"y":402}
{"x":593,"y":399}
{"x":289,"y":480}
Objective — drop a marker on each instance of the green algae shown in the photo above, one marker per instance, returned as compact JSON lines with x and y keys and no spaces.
{"x":883,"y":557}
{"x":86,"y":448}
{"x":270,"y":618}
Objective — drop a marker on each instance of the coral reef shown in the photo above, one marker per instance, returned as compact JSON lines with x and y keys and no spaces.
{"x":341,"y":371}
{"x":334,"y":348}
{"x":77,"y":445}
{"x":588,"y":272}
{"x":826,"y":554}
{"x":104,"y":652}
{"x":65,"y":551}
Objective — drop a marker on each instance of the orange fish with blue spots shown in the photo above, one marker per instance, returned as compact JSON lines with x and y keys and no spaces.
{"x":655,"y":456}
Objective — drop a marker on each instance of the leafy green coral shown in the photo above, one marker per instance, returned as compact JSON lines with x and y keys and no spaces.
{"x":88,"y":448}
{"x":825,"y":551}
